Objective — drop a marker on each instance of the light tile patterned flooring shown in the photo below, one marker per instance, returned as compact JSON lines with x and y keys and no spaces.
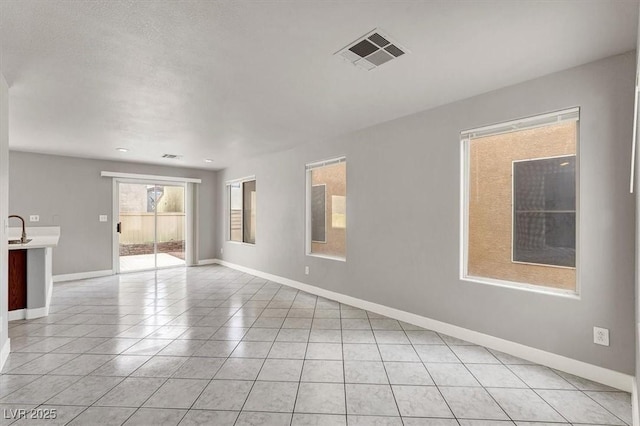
{"x":214,"y":346}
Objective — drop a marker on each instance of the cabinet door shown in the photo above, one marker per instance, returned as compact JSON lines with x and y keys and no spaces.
{"x":17,"y":279}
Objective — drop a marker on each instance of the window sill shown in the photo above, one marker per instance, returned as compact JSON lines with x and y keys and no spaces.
{"x":569,"y":294}
{"x":325,"y":256}
{"x":241,"y":243}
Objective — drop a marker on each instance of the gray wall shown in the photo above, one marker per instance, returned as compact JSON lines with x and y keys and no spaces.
{"x":69,"y":192}
{"x":403,"y":217}
{"x":4,"y":212}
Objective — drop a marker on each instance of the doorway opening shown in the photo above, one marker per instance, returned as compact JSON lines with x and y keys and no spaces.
{"x":151,"y":225}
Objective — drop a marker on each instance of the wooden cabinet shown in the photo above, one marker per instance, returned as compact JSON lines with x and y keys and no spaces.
{"x":17,"y":279}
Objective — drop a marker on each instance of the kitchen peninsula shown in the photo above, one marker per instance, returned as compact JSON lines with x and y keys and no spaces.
{"x":31,"y":271}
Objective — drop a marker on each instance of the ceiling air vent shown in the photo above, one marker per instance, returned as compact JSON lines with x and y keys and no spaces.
{"x":172,"y":156}
{"x":372,"y":50}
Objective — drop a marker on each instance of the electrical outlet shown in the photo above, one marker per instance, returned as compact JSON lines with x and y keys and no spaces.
{"x":601,"y":336}
{"x":221,"y":250}
{"x":102,"y":218}
{"x":306,"y":270}
{"x":34,"y":218}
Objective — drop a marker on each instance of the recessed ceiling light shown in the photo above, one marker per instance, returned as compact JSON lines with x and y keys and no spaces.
{"x":208,"y":160}
{"x":122,"y":149}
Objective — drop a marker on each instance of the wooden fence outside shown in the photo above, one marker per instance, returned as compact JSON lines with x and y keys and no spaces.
{"x":138,"y":228}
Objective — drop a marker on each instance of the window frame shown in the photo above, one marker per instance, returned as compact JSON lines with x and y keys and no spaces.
{"x":228,"y":185}
{"x":525,"y":123}
{"x":308,"y":223}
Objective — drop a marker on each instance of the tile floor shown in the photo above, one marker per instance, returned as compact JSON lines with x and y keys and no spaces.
{"x":214,"y":346}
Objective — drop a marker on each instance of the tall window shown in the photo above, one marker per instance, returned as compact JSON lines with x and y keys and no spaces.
{"x":242,"y":210}
{"x":520,"y":209}
{"x":326,"y":208}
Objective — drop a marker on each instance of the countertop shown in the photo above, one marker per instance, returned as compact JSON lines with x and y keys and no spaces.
{"x":41,"y":237}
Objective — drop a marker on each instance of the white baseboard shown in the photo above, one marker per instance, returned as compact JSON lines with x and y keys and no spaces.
{"x":36,"y":313}
{"x":592,"y":372}
{"x":207,"y":262}
{"x":16,"y":314}
{"x":4,"y":353}
{"x":20,"y":314}
{"x":82,"y":275}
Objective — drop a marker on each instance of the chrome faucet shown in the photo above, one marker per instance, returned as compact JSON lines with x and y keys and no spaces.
{"x":23,"y":239}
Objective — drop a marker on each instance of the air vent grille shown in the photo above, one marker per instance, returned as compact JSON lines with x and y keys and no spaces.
{"x":372,"y":50}
{"x":172,"y":156}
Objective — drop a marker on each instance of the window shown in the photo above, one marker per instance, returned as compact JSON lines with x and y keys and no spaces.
{"x":326,"y":208}
{"x":520,"y":202}
{"x":242,"y":210}
{"x":544,"y":211}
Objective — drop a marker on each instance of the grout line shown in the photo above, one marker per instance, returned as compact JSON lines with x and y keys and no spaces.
{"x":344,"y":368}
{"x":264,"y":360}
{"x":295,"y":401}
{"x":393,"y":394}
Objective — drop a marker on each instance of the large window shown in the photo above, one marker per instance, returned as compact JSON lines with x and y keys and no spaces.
{"x":242,"y":210}
{"x":327,"y":208}
{"x":520,"y":202}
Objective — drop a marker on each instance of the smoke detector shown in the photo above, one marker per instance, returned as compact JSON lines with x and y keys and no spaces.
{"x":172,"y":156}
{"x":372,"y":50}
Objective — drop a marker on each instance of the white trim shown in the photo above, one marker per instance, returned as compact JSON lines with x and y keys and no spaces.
{"x":49,"y":284}
{"x":149,"y":177}
{"x":207,"y":262}
{"x":464,"y":202}
{"x":635,"y":414}
{"x":4,"y":353}
{"x":538,"y":120}
{"x":307,"y":212}
{"x":240,"y":180}
{"x":20,"y":314}
{"x":579,"y":368}
{"x":82,"y":275}
{"x":115,"y":236}
{"x":327,"y":256}
{"x":323,"y":163}
{"x":634,"y":135}
{"x":36,"y":313}
{"x":191,"y":225}
{"x":534,"y":288}
{"x":16,"y":314}
{"x":241,"y":243}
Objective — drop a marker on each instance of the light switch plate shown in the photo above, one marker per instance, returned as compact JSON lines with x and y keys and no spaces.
{"x":34,"y":218}
{"x":103,"y":218}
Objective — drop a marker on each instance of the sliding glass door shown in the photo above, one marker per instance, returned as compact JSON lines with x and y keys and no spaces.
{"x":151,"y":225}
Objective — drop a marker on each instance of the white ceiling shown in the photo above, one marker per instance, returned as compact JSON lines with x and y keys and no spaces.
{"x":227,"y":79}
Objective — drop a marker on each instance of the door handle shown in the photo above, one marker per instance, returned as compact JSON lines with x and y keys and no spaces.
{"x":119,"y":228}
